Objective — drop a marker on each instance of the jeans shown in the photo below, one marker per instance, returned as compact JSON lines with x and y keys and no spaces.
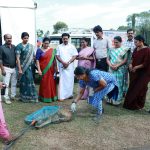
{"x":10,"y":77}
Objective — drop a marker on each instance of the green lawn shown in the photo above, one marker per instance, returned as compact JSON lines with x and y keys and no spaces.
{"x":119,"y":128}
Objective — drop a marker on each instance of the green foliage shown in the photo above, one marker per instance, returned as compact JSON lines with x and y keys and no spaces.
{"x":141,"y":23}
{"x":39,"y":33}
{"x":122,"y":28}
{"x":59,"y":25}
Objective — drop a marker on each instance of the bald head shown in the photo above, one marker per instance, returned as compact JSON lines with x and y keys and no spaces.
{"x":8,"y":39}
{"x":7,"y":36}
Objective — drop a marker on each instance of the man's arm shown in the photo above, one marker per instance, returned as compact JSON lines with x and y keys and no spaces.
{"x":1,"y":62}
{"x":65,"y":64}
{"x":72,"y":59}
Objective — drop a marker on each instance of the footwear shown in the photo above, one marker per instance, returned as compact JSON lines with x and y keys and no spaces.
{"x":7,"y":101}
{"x":60,"y":100}
{"x":109,"y":101}
{"x":71,"y":97}
{"x":36,"y":100}
{"x":97,"y":118}
{"x":116,"y":103}
{"x":12,"y":98}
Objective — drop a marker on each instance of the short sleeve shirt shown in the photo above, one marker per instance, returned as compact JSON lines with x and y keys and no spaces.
{"x":101,"y":46}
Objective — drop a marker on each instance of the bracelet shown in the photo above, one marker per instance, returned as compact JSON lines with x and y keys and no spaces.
{"x":69,"y":62}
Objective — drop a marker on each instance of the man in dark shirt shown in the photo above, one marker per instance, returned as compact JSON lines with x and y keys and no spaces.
{"x":8,"y":65}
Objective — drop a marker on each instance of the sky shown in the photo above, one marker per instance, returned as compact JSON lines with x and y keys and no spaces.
{"x":87,"y":13}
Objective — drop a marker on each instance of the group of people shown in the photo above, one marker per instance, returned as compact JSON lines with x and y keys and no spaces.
{"x":105,"y":68}
{"x":122,"y":72}
{"x":15,"y":64}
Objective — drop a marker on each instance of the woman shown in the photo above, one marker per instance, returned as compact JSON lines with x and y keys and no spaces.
{"x":24,"y":54}
{"x":86,"y":59}
{"x":103,"y":84}
{"x":4,"y":133}
{"x":47,"y":67}
{"x":117,"y":59}
{"x":139,"y":75}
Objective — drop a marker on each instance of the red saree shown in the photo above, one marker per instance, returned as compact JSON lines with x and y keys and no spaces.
{"x":136,"y":94}
{"x":47,"y":89}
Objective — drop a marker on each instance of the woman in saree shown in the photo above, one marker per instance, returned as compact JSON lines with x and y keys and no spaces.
{"x":139,"y":75}
{"x":117,"y":60}
{"x":86,"y":59}
{"x":25,"y":55}
{"x":4,"y":132}
{"x":47,"y":67}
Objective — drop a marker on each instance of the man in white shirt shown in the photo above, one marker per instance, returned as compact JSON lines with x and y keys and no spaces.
{"x":130,"y":41}
{"x":66,"y":54}
{"x":101,"y":46}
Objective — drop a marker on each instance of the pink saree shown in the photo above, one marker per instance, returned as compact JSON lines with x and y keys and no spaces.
{"x":4,"y":133}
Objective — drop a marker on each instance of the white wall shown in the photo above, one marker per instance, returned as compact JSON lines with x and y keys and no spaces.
{"x":18,"y":16}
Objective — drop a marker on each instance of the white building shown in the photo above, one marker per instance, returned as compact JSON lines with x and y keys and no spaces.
{"x":17,"y":16}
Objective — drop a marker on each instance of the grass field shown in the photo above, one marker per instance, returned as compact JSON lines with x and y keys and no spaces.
{"x":119,"y":129}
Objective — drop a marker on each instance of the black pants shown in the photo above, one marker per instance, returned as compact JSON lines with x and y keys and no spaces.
{"x":102,"y":64}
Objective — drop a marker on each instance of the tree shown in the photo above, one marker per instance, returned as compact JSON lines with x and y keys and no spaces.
{"x":122,"y":28}
{"x":39,"y":33}
{"x":59,"y":25}
{"x":141,"y":23}
{"x":131,"y":19}
{"x":47,"y":34}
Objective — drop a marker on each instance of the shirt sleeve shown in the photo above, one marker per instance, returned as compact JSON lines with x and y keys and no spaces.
{"x":58,"y":51}
{"x":82,"y":84}
{"x":94,"y":44}
{"x":1,"y":52}
{"x":95,"y":75}
{"x":38,"y":54}
{"x":109,"y":43}
{"x":108,"y":52}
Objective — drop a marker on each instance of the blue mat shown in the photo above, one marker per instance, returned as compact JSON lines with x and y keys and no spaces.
{"x":42,"y":114}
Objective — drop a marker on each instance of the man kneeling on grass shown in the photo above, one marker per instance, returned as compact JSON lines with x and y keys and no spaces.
{"x":103,"y":84}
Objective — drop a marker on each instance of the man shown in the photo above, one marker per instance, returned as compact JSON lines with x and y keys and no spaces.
{"x":8,"y":65}
{"x":66,"y":54}
{"x":130,"y":41}
{"x":101,"y":46}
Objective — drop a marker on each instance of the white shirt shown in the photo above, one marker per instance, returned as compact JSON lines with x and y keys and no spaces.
{"x":66,"y":52}
{"x":129,"y":44}
{"x":101,"y":46}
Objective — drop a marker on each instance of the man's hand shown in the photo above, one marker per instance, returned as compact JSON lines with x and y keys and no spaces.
{"x":1,"y":85}
{"x":65,"y":65}
{"x":73,"y":107}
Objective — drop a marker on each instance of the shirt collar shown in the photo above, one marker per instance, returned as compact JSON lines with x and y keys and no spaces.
{"x":130,"y":40}
{"x":7,"y":45}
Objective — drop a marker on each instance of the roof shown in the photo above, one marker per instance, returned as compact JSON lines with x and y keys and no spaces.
{"x":18,"y":4}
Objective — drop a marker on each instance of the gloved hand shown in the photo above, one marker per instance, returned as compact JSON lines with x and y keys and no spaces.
{"x":73,"y":107}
